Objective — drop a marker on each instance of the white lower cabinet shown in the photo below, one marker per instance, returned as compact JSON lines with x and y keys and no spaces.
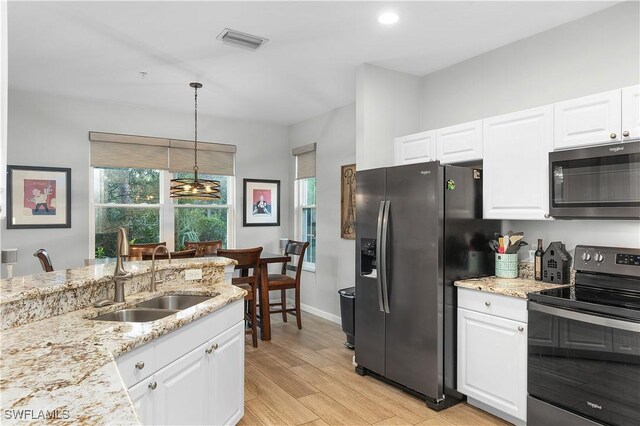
{"x":492,"y":356}
{"x":142,"y":398}
{"x":205,"y":386}
{"x":226,"y":369}
{"x":182,"y":392}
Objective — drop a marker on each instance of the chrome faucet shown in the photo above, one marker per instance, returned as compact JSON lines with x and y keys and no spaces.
{"x":120,"y":275}
{"x":153,"y":267}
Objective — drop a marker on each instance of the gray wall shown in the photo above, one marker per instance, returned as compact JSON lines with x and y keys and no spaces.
{"x":334,"y":133}
{"x":53,"y":131}
{"x":387,"y":105}
{"x":596,"y":53}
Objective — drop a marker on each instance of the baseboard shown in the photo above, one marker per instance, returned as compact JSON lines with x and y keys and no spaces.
{"x":321,"y":314}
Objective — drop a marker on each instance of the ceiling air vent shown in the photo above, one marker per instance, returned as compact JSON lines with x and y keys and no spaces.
{"x":244,"y":40}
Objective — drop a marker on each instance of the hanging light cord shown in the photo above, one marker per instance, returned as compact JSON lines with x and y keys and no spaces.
{"x":195,"y":131}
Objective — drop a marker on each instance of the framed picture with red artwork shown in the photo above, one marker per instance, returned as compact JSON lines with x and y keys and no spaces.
{"x":261,"y":202}
{"x":38,"y":197}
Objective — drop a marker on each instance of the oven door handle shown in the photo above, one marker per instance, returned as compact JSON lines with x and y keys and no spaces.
{"x":590,"y":319}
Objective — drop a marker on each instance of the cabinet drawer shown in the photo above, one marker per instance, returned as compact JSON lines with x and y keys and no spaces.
{"x":176,"y":344}
{"x":513,"y":308}
{"x":137,"y":365}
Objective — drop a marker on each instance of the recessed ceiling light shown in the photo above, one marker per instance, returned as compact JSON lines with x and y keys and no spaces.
{"x":388,"y":18}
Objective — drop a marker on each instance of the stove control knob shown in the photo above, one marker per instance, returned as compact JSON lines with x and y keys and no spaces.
{"x":598,"y":257}
{"x":586,"y":256}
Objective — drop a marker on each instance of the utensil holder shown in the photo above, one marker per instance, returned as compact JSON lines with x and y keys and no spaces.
{"x":507,"y":265}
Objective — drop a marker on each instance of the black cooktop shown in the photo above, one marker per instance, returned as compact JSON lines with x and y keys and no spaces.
{"x":606,"y":302}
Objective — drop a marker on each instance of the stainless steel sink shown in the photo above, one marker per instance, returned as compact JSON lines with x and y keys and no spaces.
{"x":173,"y":301}
{"x":136,"y":315}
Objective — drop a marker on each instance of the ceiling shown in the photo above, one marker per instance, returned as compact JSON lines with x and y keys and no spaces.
{"x":96,"y":50}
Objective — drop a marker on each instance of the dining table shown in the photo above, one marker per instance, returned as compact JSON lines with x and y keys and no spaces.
{"x":265,"y":315}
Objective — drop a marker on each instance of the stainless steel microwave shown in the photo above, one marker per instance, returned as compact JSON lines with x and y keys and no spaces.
{"x":596,"y":182}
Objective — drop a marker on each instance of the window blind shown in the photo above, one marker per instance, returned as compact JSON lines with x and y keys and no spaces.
{"x":143,"y":152}
{"x":305,"y":161}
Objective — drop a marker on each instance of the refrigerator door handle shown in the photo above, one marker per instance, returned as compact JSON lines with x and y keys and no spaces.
{"x":384,"y":244}
{"x":379,"y":255}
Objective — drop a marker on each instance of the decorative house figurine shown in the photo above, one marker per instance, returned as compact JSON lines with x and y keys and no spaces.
{"x":556,"y":264}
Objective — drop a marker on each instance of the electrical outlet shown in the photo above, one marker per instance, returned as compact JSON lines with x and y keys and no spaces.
{"x":193,"y":274}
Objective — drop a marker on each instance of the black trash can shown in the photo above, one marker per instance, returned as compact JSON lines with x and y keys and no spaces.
{"x":348,"y":312}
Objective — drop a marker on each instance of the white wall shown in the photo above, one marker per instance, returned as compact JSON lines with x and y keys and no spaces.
{"x":596,"y":53}
{"x":387,"y":105}
{"x":334,"y":133}
{"x":53,"y":131}
{"x":614,"y":233}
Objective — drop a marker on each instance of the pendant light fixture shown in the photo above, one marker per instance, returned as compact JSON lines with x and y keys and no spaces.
{"x":195,"y":188}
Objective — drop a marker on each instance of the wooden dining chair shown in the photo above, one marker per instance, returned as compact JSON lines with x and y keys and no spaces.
{"x":247,"y":259}
{"x":203,"y":248}
{"x":137,"y":250}
{"x":284,"y":282}
{"x":183,"y":254}
{"x":45,"y":260}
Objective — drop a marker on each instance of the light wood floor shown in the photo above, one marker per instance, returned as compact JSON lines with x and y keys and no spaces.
{"x":306,"y":377}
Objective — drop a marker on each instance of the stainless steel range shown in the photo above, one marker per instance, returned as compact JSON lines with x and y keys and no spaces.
{"x":584,"y":343}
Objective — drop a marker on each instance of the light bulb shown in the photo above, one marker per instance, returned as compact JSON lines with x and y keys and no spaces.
{"x":388,"y":18}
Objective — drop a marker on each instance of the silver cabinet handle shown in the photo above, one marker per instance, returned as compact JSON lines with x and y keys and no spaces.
{"x":139,"y":365}
{"x":520,"y":328}
{"x":487,"y":303}
{"x":625,"y":133}
{"x":153,"y":385}
{"x":211,"y":348}
{"x":613,"y":135}
{"x":547,"y":215}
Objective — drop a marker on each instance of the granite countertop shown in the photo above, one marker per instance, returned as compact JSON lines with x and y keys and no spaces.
{"x":64,"y":365}
{"x":514,"y":287}
{"x":39,"y":285}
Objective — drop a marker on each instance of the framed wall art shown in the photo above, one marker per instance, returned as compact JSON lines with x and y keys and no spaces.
{"x":348,"y":202}
{"x":261,"y":202}
{"x":38,"y":197}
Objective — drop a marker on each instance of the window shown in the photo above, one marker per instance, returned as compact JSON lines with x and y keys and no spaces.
{"x":197,"y":220}
{"x":138,"y":199}
{"x":306,"y":217}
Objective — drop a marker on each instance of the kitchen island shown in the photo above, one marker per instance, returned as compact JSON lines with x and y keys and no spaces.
{"x":58,"y":363}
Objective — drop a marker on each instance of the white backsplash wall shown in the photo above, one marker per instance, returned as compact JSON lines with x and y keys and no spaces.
{"x":53,"y":131}
{"x":616,"y":233}
{"x":334,"y":133}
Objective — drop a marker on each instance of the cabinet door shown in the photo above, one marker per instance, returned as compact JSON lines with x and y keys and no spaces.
{"x":631,"y":112}
{"x":416,"y":148}
{"x":459,"y":143}
{"x":142,"y":397}
{"x":588,"y":120}
{"x":182,"y":391}
{"x":492,"y":361}
{"x":516,"y":156}
{"x":226,"y":377}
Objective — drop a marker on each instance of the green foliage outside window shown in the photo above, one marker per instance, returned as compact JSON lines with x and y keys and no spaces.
{"x":140,"y":187}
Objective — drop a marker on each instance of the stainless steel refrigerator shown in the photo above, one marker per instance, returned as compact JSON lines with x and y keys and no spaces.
{"x":419,"y":227}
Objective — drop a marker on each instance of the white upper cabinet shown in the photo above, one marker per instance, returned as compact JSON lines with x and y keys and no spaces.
{"x":516,"y":156}
{"x":588,"y":120}
{"x":459,"y":143}
{"x":631,"y":113}
{"x":416,"y":148}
